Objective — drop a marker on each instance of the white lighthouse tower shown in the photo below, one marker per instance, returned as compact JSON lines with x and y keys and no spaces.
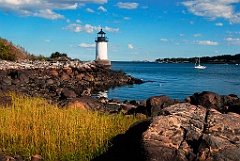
{"x":101,"y":49}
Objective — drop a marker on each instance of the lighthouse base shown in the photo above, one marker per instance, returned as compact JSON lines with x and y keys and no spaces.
{"x":106,"y":63}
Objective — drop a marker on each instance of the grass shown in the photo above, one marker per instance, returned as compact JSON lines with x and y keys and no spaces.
{"x":32,"y":126}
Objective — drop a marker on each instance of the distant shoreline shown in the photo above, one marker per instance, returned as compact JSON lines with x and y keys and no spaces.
{"x":222,"y":59}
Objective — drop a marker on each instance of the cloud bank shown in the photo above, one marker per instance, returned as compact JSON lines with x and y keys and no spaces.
{"x":43,"y":8}
{"x":127,"y":5}
{"x":207,"y":42}
{"x":214,"y":9}
{"x":87,"y":28}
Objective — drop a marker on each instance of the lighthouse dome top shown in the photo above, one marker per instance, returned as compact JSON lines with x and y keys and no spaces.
{"x":101,"y":32}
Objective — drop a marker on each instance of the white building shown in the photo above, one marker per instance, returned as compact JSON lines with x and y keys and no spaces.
{"x":101,"y":49}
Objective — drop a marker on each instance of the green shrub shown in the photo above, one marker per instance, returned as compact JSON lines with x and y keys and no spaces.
{"x":5,"y":54}
{"x":57,"y":55}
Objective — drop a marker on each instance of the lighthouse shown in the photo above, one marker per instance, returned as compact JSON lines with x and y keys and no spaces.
{"x":101,"y":49}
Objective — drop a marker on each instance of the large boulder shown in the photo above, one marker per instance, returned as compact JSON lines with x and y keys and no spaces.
{"x":223,"y":104}
{"x":156,"y":103}
{"x":221,"y":139}
{"x":207,"y":99}
{"x":175,"y":134}
{"x":186,"y":132}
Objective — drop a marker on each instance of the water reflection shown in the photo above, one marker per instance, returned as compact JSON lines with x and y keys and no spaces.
{"x":101,"y":94}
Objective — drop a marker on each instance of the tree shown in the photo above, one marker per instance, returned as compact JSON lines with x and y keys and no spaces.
{"x":57,"y":55}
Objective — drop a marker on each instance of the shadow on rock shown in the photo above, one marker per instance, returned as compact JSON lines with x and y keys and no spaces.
{"x":127,"y":147}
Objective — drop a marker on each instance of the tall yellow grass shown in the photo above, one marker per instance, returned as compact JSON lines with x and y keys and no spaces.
{"x":32,"y":126}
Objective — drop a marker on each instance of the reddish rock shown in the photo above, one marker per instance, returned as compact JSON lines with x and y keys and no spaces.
{"x":85,"y":103}
{"x":156,"y":103}
{"x":187,"y":132}
{"x":80,"y":76}
{"x":221,"y":140}
{"x":65,"y":77}
{"x":88,"y":77}
{"x":223,"y":104}
{"x":172,"y":135}
{"x":67,"y":70}
{"x":37,"y":157}
{"x":52,"y":72}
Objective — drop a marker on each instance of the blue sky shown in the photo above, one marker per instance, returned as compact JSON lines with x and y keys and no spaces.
{"x":137,"y":29}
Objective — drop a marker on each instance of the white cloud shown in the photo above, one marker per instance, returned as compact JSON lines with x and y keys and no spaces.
{"x":130,"y":46}
{"x":85,"y":45}
{"x":233,"y":41}
{"x":90,"y":10}
{"x":114,"y":30}
{"x":90,"y":29}
{"x":47,"y":40}
{"x":43,"y":8}
{"x":78,"y":21}
{"x":102,"y":9}
{"x":214,"y":9}
{"x":207,"y":42}
{"x":74,"y":27}
{"x":197,"y":35}
{"x":181,"y":35}
{"x":127,"y":18}
{"x":127,"y":5}
{"x":87,"y":28}
{"x":164,"y":39}
{"x":48,"y":14}
{"x":219,"y":24}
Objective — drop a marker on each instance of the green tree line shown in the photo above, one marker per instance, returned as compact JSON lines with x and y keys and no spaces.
{"x":231,"y":59}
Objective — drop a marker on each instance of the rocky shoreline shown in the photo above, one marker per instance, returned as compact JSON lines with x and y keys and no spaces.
{"x":204,"y":127}
{"x":60,"y":81}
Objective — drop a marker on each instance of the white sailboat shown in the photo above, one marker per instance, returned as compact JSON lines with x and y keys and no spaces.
{"x":198,"y":65}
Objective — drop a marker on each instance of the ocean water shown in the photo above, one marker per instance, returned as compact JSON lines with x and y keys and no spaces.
{"x":175,"y":80}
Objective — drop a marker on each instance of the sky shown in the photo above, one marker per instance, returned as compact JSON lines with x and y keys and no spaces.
{"x":136,"y":29}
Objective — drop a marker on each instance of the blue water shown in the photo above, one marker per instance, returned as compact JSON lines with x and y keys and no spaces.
{"x":176,"y":80}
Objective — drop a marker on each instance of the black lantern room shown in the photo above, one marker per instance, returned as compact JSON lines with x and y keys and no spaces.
{"x":101,"y":37}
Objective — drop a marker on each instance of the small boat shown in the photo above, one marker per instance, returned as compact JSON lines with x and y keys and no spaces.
{"x":198,"y":65}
